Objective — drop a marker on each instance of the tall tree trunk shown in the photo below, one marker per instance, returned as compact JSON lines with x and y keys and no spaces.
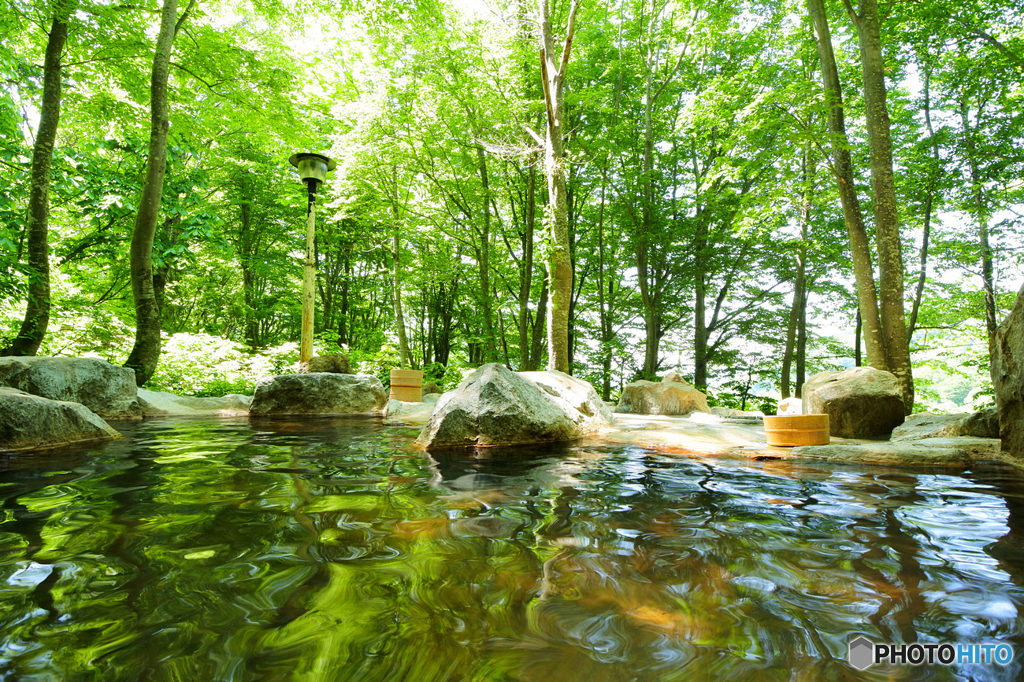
{"x":604,"y":301}
{"x":490,"y":351}
{"x":343,"y":323}
{"x":981,"y":217}
{"x":37,"y":315}
{"x":886,"y":209}
{"x":858,"y":331}
{"x":929,"y":197}
{"x":537,"y":342}
{"x":801,"y":265}
{"x":700,"y":333}
{"x":403,"y":341}
{"x":146,"y":352}
{"x":526,"y":272}
{"x":842,"y":167}
{"x":244,"y":248}
{"x":649,"y":300}
{"x":556,"y":219}
{"x":801,"y":344}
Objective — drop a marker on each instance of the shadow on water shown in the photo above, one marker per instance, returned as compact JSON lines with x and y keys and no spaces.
{"x":332,"y":548}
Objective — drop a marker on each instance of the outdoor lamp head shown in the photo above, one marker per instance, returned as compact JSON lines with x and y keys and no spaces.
{"x":312,"y":167}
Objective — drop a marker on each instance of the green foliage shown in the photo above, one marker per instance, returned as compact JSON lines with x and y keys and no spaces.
{"x":378,"y":363}
{"x":427,"y":114}
{"x":202,"y":365}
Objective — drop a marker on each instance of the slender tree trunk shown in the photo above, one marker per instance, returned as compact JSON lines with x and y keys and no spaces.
{"x":649,"y":299}
{"x":537,"y":343}
{"x":801,"y":344}
{"x":922,"y":276}
{"x":343,"y":324}
{"x":396,"y":278}
{"x":700,"y":333}
{"x":801,"y":263}
{"x":556,"y":219}
{"x":981,"y":217}
{"x":603,"y":300}
{"x":700,"y":324}
{"x":490,"y":351}
{"x":526,"y":273}
{"x":842,"y":166}
{"x":857,"y":334}
{"x":886,"y":209}
{"x":146,"y":352}
{"x":37,"y":315}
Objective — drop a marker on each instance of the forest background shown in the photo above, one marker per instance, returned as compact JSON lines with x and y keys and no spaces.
{"x":705,"y":230}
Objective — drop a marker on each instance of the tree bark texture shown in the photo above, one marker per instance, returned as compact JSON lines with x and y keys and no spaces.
{"x":842,"y":167}
{"x":929,"y":198}
{"x":403,"y":341}
{"x":146,"y":352}
{"x":801,"y":263}
{"x":700,"y":333}
{"x":801,"y":344}
{"x":526,"y":271}
{"x":981,"y":217}
{"x":883,"y":187}
{"x":539,"y":325}
{"x":37,"y":315}
{"x":490,"y":350}
{"x":557,"y":219}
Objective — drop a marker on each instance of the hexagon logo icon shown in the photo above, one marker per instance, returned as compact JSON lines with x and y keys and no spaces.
{"x":862,"y":653}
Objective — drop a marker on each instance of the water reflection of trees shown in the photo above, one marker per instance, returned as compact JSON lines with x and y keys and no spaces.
{"x":211,"y":554}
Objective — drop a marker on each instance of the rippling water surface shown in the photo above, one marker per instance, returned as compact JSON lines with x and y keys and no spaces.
{"x":331,"y":549}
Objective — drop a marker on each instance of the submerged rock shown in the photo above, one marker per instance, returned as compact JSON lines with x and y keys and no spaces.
{"x":1008,"y":381}
{"x":673,"y":395}
{"x":977,"y":448}
{"x":900,"y":454}
{"x":494,"y":406}
{"x":318,"y":393}
{"x":861,"y":402}
{"x":106,"y":389}
{"x":162,"y":404}
{"x":983,"y":424}
{"x":400,"y":412}
{"x":28,"y":422}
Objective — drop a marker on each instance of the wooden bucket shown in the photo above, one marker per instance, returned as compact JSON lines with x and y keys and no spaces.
{"x":791,"y":430}
{"x":407,"y":385}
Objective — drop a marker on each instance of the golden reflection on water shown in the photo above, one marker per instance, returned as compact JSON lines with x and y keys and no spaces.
{"x":330,"y":550}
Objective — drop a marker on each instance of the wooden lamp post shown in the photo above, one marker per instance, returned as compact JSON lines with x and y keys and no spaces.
{"x":312,"y":171}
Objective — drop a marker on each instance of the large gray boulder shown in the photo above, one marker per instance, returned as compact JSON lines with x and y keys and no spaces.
{"x":28,"y":422}
{"x":577,"y":397}
{"x":982,"y":424}
{"x":318,"y":393}
{"x":163,"y":404}
{"x":106,"y":389}
{"x":1008,"y":381}
{"x":494,"y":406}
{"x":862,"y":402}
{"x":671,"y":395}
{"x":332,"y":364}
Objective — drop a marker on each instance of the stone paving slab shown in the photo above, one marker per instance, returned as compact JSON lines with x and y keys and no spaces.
{"x":707,"y":434}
